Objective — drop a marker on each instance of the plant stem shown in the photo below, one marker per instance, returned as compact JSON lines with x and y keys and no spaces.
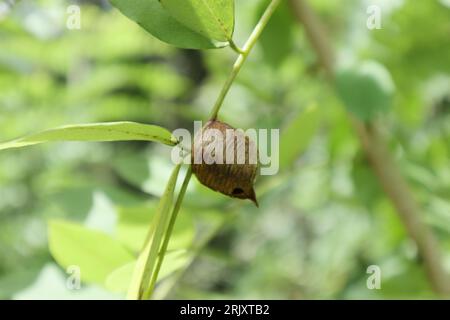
{"x":173,"y":218}
{"x":235,"y":47}
{"x":233,"y":212}
{"x":384,"y":167}
{"x":243,"y":56}
{"x":243,"y":53}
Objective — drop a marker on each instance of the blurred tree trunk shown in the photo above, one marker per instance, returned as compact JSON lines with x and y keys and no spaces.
{"x":385,"y":168}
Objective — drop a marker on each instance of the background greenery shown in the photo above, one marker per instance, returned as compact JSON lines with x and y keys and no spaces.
{"x":322,"y":220}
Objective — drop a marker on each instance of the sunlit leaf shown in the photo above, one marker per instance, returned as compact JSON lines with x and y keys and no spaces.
{"x":108,"y":131}
{"x":119,"y":280}
{"x":151,"y":16}
{"x":213,"y":19}
{"x":95,"y":253}
{"x":51,"y":284}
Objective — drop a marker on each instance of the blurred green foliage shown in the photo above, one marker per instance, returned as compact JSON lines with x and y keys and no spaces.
{"x":322,"y":220}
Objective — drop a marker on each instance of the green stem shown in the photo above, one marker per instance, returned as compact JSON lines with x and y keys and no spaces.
{"x":231,"y":216}
{"x":235,"y":47}
{"x":167,"y":236}
{"x":243,"y":56}
{"x":243,"y":53}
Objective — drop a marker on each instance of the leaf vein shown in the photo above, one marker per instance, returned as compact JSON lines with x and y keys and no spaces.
{"x":221,"y":23}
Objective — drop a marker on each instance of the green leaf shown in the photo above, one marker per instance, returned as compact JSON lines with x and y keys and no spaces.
{"x":277,"y":40}
{"x":94,"y":252}
{"x":366,"y":89}
{"x":119,"y":280}
{"x":145,"y":265}
{"x":298,"y":134}
{"x":51,"y":284}
{"x":151,"y":16}
{"x":214,"y":19}
{"x":133,"y":225}
{"x":108,"y":131}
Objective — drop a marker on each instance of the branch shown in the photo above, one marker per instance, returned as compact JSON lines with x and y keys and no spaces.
{"x":387,"y":172}
{"x":244,"y":52}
